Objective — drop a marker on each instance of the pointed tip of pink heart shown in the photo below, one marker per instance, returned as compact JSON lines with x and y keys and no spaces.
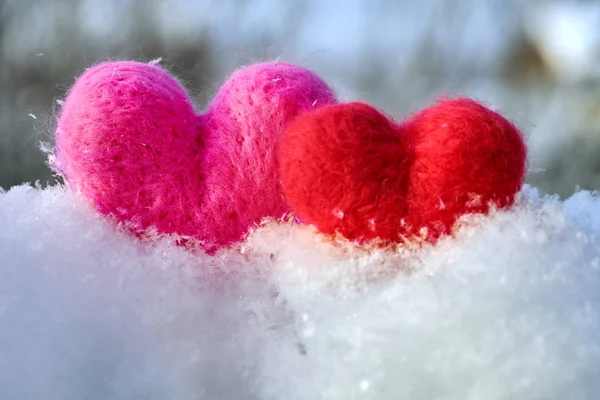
{"x":129,"y":141}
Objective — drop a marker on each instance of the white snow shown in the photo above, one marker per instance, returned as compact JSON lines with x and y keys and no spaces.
{"x":508,"y":309}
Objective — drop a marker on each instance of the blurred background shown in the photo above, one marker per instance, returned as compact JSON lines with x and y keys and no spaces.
{"x":535,"y":61}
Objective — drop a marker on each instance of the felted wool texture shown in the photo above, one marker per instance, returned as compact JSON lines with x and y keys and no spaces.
{"x":243,"y":126}
{"x":350,"y":169}
{"x":345,"y":169}
{"x":129,"y":140}
{"x":466,"y":158}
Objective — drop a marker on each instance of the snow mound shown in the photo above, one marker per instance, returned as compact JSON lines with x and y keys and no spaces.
{"x":507,"y":309}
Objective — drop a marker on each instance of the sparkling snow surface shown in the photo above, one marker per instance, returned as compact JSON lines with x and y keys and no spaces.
{"x":507,"y":309}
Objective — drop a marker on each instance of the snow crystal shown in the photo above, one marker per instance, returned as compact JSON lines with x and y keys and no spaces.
{"x":507,"y":309}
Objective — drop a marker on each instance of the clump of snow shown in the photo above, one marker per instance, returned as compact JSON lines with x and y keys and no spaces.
{"x":507,"y":309}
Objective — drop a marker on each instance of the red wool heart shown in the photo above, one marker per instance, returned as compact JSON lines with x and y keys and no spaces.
{"x":348,"y":168}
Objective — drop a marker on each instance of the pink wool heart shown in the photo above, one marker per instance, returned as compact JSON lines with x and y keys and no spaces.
{"x":129,"y":140}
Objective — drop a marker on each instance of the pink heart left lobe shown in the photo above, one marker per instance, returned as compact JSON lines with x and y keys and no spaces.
{"x":129,"y":140}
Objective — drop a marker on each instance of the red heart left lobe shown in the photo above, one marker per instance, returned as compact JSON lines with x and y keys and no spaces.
{"x":345,"y":168}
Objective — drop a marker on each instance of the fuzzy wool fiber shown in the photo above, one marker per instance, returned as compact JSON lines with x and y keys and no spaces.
{"x":349,"y":169}
{"x":344,"y":169}
{"x":507,"y":308}
{"x":466,"y":158}
{"x":130,"y":141}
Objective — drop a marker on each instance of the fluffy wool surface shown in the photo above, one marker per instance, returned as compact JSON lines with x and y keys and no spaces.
{"x":129,"y":141}
{"x":344,"y":168}
{"x":508,"y":308}
{"x":465,"y":158}
{"x":348,"y":168}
